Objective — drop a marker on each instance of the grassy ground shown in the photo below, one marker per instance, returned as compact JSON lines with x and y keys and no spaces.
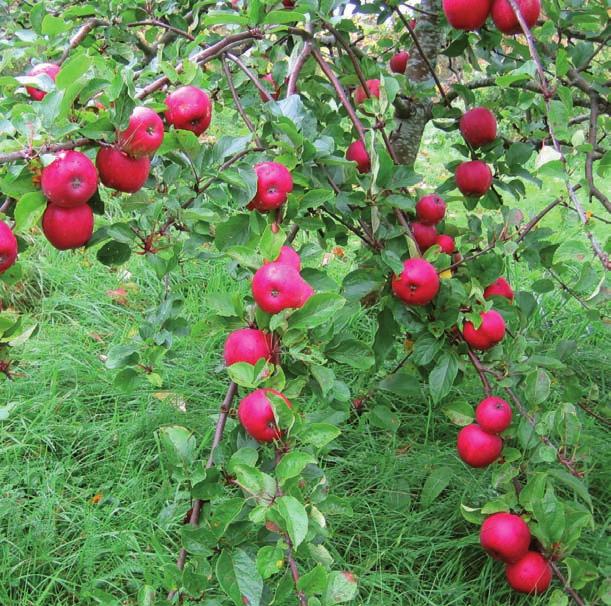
{"x":87,"y":516}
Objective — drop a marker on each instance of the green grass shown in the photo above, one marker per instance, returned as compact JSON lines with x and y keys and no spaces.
{"x":87,"y":515}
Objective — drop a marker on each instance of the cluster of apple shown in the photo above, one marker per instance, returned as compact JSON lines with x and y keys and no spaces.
{"x":506,"y":537}
{"x":276,"y":286}
{"x":470,"y":15}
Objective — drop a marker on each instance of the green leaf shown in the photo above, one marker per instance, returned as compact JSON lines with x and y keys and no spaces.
{"x":271,"y":242}
{"x":401,"y":383}
{"x":353,"y":353}
{"x":318,"y":309}
{"x":314,"y":581}
{"x":434,"y":485}
{"x":295,"y":518}
{"x":51,"y":25}
{"x":442,"y":377}
{"x":460,"y":413}
{"x":384,"y":418}
{"x":114,"y":253}
{"x":341,"y":587}
{"x":270,"y":560}
{"x":281,"y":17}
{"x":292,"y":464}
{"x":179,"y":443}
{"x":572,"y":482}
{"x":239,"y":578}
{"x":30,"y":207}
{"x":318,"y":434}
{"x":425,"y":349}
{"x":537,"y":386}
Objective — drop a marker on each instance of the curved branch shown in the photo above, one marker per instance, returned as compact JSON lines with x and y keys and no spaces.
{"x":594,"y":191}
{"x":80,"y":35}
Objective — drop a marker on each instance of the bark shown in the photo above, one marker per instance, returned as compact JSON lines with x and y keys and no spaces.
{"x":412,"y":115}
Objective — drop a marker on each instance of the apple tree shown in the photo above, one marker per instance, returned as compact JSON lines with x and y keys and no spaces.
{"x":106,"y":112}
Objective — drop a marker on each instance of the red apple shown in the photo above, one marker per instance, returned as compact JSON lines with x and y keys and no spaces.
{"x":430,"y":209}
{"x":531,"y":574}
{"x":374,"y":90}
{"x":42,"y":68}
{"x":478,"y":126}
{"x":398,"y":62}
{"x":120,"y":171}
{"x":277,"y":286}
{"x":493,"y":414}
{"x":274,"y":183}
{"x":418,"y":283}
{"x":272,"y":88}
{"x":499,"y":288}
{"x":505,"y":19}
{"x":70,"y":180}
{"x":8,"y":247}
{"x":466,"y":14}
{"x":505,"y":537}
{"x":68,"y":227}
{"x":357,"y":152}
{"x":257,"y":415}
{"x":290,"y":257}
{"x":473,"y":178}
{"x":189,"y":108}
{"x":288,"y":3}
{"x":412,"y":23}
{"x":490,"y":332}
{"x":446,"y":243}
{"x":247,"y":345}
{"x":144,"y":133}
{"x":425,"y":235}
{"x":478,"y":448}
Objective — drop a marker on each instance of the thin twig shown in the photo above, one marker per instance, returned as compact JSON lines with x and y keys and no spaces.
{"x":264,"y":92}
{"x":80,"y":35}
{"x":238,"y":103}
{"x":594,"y":191}
{"x":299,"y":63}
{"x":594,"y":414}
{"x":162,"y":24}
{"x":565,"y":584}
{"x":341,"y":93}
{"x":408,"y":230}
{"x":28,"y":152}
{"x":216,"y":440}
{"x":303,"y":601}
{"x":547,"y":95}
{"x":422,"y":54}
{"x":480,"y":371}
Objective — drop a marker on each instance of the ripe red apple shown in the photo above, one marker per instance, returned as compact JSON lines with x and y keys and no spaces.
{"x":412,"y":23}
{"x":144,"y":133}
{"x":505,"y":19}
{"x":68,"y":227}
{"x":446,"y":243}
{"x":476,"y":447}
{"x":478,"y":126}
{"x":257,"y":415}
{"x":531,"y":574}
{"x":357,"y":152}
{"x":418,"y":283}
{"x":120,"y":171}
{"x":466,"y":14}
{"x":276,"y":286}
{"x":274,"y":182}
{"x":398,"y":62}
{"x":493,"y":414}
{"x":8,"y":247}
{"x":430,"y":209}
{"x":490,"y":332}
{"x":288,"y":3}
{"x":374,"y":90}
{"x":499,"y":288}
{"x":247,"y":345}
{"x":290,"y":257}
{"x":473,"y":178}
{"x":189,"y":108}
{"x":272,"y":88}
{"x":505,"y":536}
{"x":425,"y":235}
{"x":42,"y":68}
{"x":70,"y":180}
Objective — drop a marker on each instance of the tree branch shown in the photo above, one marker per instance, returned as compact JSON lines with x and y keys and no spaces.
{"x":341,"y":93}
{"x":162,"y":24}
{"x":294,"y":75}
{"x":80,"y":35}
{"x":594,"y":191}
{"x":216,"y":440}
{"x":262,"y":90}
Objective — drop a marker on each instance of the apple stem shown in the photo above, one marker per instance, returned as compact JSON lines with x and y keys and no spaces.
{"x":216,"y":440}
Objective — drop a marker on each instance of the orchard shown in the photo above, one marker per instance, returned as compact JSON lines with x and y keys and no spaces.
{"x":391,"y":210}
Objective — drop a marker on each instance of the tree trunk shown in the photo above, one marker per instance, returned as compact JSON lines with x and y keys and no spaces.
{"x":412,"y":115}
